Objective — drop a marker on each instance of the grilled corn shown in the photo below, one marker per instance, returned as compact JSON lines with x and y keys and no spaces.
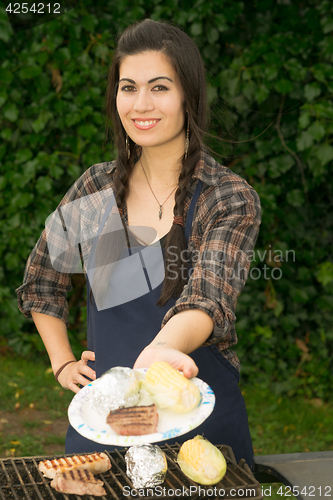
{"x":201,"y":461}
{"x":171,"y":389}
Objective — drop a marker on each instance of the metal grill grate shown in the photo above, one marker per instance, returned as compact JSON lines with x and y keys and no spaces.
{"x":20,"y":479}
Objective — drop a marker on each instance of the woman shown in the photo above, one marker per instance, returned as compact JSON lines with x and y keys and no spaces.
{"x":204,"y":216}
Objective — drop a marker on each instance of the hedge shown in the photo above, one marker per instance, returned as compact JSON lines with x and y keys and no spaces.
{"x":270,"y":80}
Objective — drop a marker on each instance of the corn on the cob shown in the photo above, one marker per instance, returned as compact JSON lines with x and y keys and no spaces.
{"x":170,"y":389}
{"x":201,"y":461}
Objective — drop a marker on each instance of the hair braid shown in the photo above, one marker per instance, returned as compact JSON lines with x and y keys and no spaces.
{"x":176,"y":267}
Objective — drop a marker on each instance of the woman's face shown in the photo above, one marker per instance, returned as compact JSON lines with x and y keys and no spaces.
{"x":150,"y":101}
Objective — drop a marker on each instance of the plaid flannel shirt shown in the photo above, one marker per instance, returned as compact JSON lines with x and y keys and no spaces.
{"x":224,"y":231}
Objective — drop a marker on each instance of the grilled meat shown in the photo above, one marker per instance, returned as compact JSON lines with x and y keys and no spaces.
{"x":78,"y":482}
{"x":134,"y":421}
{"x":95,"y":463}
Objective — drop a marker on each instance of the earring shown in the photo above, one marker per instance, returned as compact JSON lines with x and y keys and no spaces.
{"x":128,"y":151}
{"x":187,"y":140}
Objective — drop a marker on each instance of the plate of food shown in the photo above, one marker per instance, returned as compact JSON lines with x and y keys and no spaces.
{"x":125,"y":407}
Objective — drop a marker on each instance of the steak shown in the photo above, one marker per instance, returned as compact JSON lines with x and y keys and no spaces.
{"x":78,"y":482}
{"x":134,"y":420}
{"x":95,"y":463}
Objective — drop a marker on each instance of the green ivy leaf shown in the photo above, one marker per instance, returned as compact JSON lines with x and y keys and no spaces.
{"x":14,"y":222}
{"x":3,"y":182}
{"x":3,"y":98}
{"x":324,"y":153}
{"x":263,"y":331}
{"x":56,"y":171}
{"x":325,"y":273}
{"x":283,"y":86}
{"x":22,"y":200}
{"x":12,"y":260}
{"x":311,"y":91}
{"x":271,"y":72}
{"x":295,"y":69}
{"x":212,"y":35}
{"x":30,"y":72}
{"x":89,"y":22}
{"x":280,"y":165}
{"x":325,"y":302}
{"x":3,"y":150}
{"x":39,"y":124}
{"x":304,"y":119}
{"x":304,"y":141}
{"x":72,"y":119}
{"x":289,"y":322}
{"x":233,"y":84}
{"x":74,"y":171}
{"x":44,"y":184}
{"x":23,"y":156}
{"x":221,"y":22}
{"x":327,"y":24}
{"x":6,"y":76}
{"x":299,"y":295}
{"x":102,"y":52}
{"x":211,"y":93}
{"x":261,"y":93}
{"x":11,"y":112}
{"x":263,"y":148}
{"x":30,"y":169}
{"x":322,"y":71}
{"x":295,"y":198}
{"x":196,"y":29}
{"x":278,"y":309}
{"x":87,"y":130}
{"x":317,"y":130}
{"x":42,"y":57}
{"x":6,"y":133}
{"x":315,"y":165}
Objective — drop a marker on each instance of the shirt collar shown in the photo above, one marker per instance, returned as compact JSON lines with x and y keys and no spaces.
{"x":207,"y":169}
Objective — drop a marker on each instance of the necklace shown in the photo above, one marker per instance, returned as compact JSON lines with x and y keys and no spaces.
{"x":159,"y":204}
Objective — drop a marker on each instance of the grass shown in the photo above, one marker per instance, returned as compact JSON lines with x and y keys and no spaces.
{"x":33,"y":408}
{"x":33,"y":416}
{"x":288,"y":425}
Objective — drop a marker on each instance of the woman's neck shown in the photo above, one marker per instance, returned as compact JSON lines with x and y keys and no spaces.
{"x":161,"y":167}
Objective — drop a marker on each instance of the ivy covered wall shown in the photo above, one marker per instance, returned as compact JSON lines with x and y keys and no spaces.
{"x":270,"y":80}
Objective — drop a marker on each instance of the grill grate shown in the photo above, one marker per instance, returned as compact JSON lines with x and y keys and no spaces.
{"x":20,"y":479}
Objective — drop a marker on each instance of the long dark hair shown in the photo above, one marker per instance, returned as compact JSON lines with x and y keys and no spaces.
{"x":183,"y":54}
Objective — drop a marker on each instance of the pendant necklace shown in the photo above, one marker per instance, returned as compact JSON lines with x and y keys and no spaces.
{"x":159,"y":204}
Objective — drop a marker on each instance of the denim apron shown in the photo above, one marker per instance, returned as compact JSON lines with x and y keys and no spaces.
{"x":118,"y":335}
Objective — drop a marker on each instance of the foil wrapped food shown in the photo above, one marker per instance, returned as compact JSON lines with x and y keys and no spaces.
{"x":146,"y":465}
{"x":116,"y":388}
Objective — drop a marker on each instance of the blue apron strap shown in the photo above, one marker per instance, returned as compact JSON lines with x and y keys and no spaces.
{"x":191,"y":210}
{"x":106,"y":214}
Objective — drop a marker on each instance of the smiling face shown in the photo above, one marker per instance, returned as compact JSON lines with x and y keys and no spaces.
{"x":150,"y":101}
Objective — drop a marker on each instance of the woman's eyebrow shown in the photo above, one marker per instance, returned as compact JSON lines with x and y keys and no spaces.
{"x":150,"y":81}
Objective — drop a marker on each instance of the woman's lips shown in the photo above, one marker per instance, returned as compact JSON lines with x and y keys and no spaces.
{"x":145,"y":124}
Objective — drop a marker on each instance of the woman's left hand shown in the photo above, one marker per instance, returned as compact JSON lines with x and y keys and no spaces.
{"x":176,"y":359}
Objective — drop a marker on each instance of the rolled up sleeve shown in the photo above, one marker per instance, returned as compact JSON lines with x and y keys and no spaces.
{"x":44,"y":289}
{"x":221,"y":257}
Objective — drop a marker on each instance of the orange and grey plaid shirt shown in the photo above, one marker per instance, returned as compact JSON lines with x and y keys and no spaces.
{"x":224,"y":231}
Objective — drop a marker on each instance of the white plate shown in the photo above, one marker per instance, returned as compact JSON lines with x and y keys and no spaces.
{"x":90,"y":424}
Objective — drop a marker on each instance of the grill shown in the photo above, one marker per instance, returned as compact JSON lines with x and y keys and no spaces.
{"x":20,"y":479}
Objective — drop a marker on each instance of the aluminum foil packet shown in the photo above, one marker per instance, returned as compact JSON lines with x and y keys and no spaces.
{"x":116,"y":388}
{"x":146,"y":465}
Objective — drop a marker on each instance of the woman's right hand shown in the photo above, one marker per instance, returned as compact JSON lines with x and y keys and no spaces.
{"x":76,"y":373}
